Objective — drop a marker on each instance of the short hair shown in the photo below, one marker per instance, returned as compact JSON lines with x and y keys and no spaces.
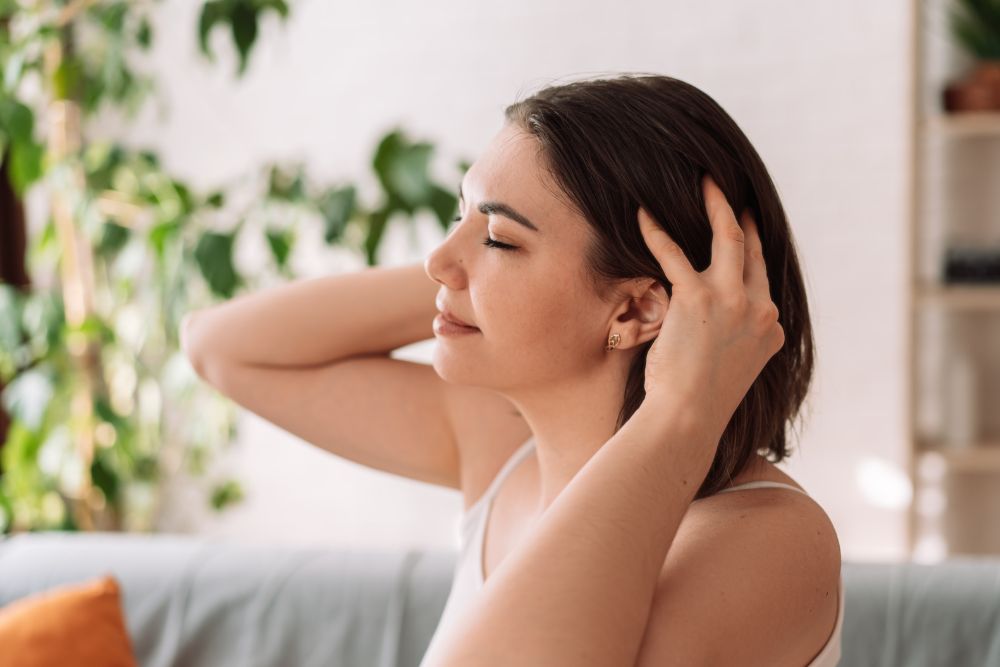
{"x":613,"y":144}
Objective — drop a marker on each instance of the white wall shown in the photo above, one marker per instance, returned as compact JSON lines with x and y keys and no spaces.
{"x":820,"y":88}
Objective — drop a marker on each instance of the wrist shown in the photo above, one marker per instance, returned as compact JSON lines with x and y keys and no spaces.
{"x":679,"y":418}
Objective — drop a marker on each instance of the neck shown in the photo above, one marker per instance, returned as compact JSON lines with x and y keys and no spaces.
{"x":570,"y":422}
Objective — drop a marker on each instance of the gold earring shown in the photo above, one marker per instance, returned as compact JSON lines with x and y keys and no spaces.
{"x":613,"y":341}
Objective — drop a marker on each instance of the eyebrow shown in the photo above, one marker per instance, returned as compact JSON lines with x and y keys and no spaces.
{"x":500,"y":208}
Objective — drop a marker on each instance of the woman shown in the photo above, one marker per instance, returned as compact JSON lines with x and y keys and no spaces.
{"x":617,"y":358}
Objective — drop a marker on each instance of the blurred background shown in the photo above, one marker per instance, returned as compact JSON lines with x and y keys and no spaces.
{"x":163,"y":156}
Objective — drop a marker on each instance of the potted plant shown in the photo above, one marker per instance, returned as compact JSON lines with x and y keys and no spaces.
{"x":975,"y":25}
{"x":99,"y":409}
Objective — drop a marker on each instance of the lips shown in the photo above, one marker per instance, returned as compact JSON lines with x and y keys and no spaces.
{"x":449,"y":317}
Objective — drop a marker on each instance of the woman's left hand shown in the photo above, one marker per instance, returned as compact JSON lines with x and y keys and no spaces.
{"x":721,"y":327}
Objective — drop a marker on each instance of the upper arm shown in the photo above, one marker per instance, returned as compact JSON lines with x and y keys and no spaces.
{"x":754,"y":586}
{"x":384,"y":413}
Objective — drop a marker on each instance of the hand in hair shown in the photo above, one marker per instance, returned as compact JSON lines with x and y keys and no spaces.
{"x":721,"y":326}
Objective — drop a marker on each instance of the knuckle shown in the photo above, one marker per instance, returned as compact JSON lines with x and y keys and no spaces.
{"x":734,"y":233}
{"x":766,"y":315}
{"x":779,"y":337}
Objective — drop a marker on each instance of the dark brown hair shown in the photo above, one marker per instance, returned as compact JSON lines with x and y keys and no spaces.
{"x":614,"y":144}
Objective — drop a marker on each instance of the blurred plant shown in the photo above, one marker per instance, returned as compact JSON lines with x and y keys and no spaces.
{"x":976,"y":26}
{"x":242,"y":17}
{"x":105,"y":408}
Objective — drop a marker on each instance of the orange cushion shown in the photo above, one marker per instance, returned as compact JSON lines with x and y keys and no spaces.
{"x":79,"y":624}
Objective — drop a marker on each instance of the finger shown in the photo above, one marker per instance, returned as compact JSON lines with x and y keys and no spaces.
{"x":755,"y":271}
{"x":727,"y":237}
{"x":671,"y":257}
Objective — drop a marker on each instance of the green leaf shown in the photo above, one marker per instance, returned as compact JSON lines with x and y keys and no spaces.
{"x":20,"y":449}
{"x":444,"y":204}
{"x":243,"y":17}
{"x":43,"y":318}
{"x":67,"y":79}
{"x":279,"y":6}
{"x":148,"y":158}
{"x":287,"y":184}
{"x":376,"y":226}
{"x":113,"y":238}
{"x":214,"y":255}
{"x":337,"y":206}
{"x":211,"y":13}
{"x":26,"y":165}
{"x":244,"y":24}
{"x":144,"y":34}
{"x":112,"y":16}
{"x":976,"y":26}
{"x":216,"y":199}
{"x":226,"y":494}
{"x":19,"y":123}
{"x":6,"y":511}
{"x":184,"y":196}
{"x":95,"y":329}
{"x":280,"y":242}
{"x":161,"y":234}
{"x":402,"y":169}
{"x":147,"y":469}
{"x":104,"y":411}
{"x":105,"y":476}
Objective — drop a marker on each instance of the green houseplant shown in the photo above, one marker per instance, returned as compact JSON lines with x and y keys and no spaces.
{"x":103,"y":408}
{"x":975,"y":26}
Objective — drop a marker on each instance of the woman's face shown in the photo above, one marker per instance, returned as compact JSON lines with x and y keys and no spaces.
{"x":538,"y":317}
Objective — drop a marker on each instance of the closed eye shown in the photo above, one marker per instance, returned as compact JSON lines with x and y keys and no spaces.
{"x":491,"y":242}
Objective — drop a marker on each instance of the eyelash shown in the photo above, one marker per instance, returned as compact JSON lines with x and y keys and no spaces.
{"x":490,"y":242}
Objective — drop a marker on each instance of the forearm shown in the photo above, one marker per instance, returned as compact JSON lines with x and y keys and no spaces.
{"x":317,"y":320}
{"x":579,"y":589}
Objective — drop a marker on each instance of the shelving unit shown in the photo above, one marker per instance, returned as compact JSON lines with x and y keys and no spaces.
{"x":955,"y":509}
{"x":960,"y":297}
{"x":969,"y":124}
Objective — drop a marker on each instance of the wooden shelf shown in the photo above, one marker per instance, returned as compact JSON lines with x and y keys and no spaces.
{"x":933,"y":171}
{"x":967,"y":124}
{"x":961,"y":297}
{"x":977,"y":457}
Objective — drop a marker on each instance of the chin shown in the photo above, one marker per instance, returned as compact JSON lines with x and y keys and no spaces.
{"x":453,"y":366}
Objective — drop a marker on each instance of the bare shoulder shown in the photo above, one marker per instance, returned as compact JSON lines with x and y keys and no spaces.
{"x":488,"y":429}
{"x":753,"y":577}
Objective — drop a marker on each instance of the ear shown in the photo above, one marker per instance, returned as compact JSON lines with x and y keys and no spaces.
{"x":639,"y":315}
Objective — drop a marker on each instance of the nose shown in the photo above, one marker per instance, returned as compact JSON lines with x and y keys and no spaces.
{"x":444,"y":264}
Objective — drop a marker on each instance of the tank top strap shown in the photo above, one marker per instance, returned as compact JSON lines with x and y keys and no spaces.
{"x":519,"y":454}
{"x":762,"y":484}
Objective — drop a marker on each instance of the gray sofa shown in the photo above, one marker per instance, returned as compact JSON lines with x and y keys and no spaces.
{"x":197,"y":602}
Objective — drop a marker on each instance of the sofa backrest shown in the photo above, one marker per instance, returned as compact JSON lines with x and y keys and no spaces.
{"x":203,"y":602}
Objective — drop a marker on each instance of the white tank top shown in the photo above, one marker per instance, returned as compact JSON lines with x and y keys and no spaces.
{"x":468,"y":579}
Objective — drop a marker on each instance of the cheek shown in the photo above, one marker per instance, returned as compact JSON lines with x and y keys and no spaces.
{"x":532,"y":313}
{"x":556,"y":327}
